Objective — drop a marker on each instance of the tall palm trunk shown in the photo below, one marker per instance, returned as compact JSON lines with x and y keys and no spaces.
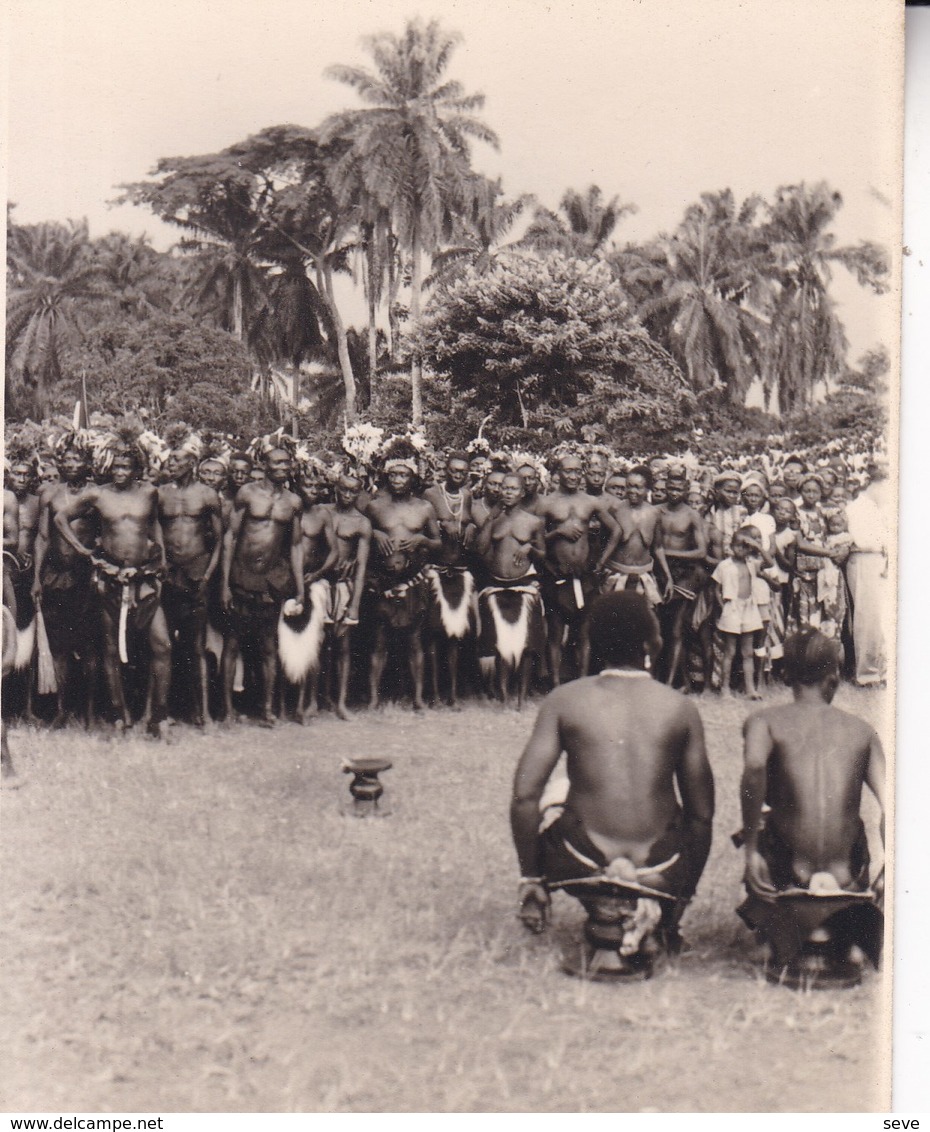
{"x":342,"y":344}
{"x":372,"y":267}
{"x":416,"y":364}
{"x":237,"y":311}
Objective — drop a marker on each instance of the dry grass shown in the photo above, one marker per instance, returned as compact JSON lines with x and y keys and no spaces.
{"x":196,"y":927}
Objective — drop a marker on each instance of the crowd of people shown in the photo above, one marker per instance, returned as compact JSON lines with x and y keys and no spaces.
{"x":204,"y":577}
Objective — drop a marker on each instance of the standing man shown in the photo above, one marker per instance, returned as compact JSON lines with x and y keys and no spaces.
{"x":301,"y":639}
{"x":406,"y":533}
{"x":63,"y":579}
{"x":352,"y":533}
{"x":22,"y":478}
{"x":532,"y":486}
{"x":634,"y":747}
{"x":451,"y":615}
{"x":568,"y":583}
{"x":685,"y":544}
{"x":128,"y":564}
{"x":262,"y":566}
{"x":513,"y":629}
{"x":191,"y":522}
{"x":639,"y":546}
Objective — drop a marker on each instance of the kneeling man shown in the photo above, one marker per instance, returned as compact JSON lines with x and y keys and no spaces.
{"x":808,"y":761}
{"x":629,"y":742}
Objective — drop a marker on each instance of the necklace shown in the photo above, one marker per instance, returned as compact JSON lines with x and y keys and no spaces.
{"x":455,"y":512}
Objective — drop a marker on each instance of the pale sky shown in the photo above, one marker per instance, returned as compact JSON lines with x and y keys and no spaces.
{"x":655,"y":100}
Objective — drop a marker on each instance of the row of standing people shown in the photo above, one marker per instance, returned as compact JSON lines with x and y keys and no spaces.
{"x":287,"y":566}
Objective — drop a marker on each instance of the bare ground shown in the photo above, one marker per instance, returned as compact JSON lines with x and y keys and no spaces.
{"x":195,"y":926}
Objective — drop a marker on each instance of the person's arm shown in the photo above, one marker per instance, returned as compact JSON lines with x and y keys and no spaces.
{"x":875,"y":780}
{"x":158,"y":535}
{"x":81,"y":507}
{"x":297,"y":553}
{"x":230,"y":540}
{"x":41,"y":545}
{"x":533,"y":770}
{"x":537,"y":548}
{"x":483,"y":545}
{"x":215,"y":517}
{"x":757,"y":749}
{"x":10,"y":522}
{"x":332,"y":551}
{"x":615,"y":531}
{"x":429,"y":539}
{"x":696,"y":787}
{"x":714,"y":544}
{"x":658,"y":553}
{"x":363,"y":550}
{"x":814,"y":549}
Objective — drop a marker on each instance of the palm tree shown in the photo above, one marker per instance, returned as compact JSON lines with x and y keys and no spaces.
{"x":53,"y":285}
{"x":485,"y":222}
{"x":410,"y":148}
{"x":217,"y":204}
{"x":584,"y":228}
{"x":808,"y":344}
{"x":701,"y":293}
{"x":140,"y":279}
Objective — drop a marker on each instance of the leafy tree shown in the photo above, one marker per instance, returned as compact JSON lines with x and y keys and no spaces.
{"x":54,"y":288}
{"x":551,"y":343}
{"x":582,"y":230}
{"x":410,"y":148}
{"x":807,"y":340}
{"x":162,"y":365}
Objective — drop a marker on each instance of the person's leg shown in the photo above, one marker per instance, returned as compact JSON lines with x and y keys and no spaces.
{"x":231,"y":649}
{"x":342,"y":645}
{"x":729,"y":642}
{"x":160,"y":672}
{"x":415,"y":653}
{"x":112,"y":672}
{"x":556,"y":636}
{"x":378,"y":661}
{"x":268,"y":643}
{"x":452,"y":652}
{"x":502,"y":678}
{"x":748,"y":654}
{"x":433,"y":651}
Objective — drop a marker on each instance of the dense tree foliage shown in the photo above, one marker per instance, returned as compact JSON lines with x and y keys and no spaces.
{"x":541,"y":324}
{"x":549,"y":340}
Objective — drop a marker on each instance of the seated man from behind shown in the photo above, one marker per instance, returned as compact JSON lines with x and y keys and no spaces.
{"x":630,"y":741}
{"x":808,"y":761}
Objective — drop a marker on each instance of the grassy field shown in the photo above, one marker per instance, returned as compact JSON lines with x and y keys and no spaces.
{"x":194,"y":926}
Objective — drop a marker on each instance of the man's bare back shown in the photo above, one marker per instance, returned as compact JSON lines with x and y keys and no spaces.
{"x":625,"y":738}
{"x":816,"y":759}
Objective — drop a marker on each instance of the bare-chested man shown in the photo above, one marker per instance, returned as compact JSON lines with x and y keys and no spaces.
{"x":532,"y":485}
{"x":262,"y":565}
{"x":808,"y":762}
{"x":406,"y":532}
{"x":128,"y":563}
{"x":684,"y":541}
{"x":353,"y":547}
{"x":451,"y":617}
{"x":630,"y":742}
{"x":10,"y":543}
{"x":301,"y":639}
{"x":23,"y":482}
{"x":513,"y":630}
{"x":63,"y":580}
{"x":639,"y":547}
{"x":569,"y":583}
{"x":490,"y":496}
{"x":191,"y":522}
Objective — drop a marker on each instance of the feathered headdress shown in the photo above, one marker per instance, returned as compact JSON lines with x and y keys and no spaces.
{"x":362,"y":443}
{"x":262,"y":445}
{"x":180,"y":437}
{"x":478,"y":447}
{"x":73,"y":440}
{"x":308,"y":464}
{"x":401,"y":451}
{"x":22,"y":448}
{"x":215,"y":447}
{"x":519,"y":457}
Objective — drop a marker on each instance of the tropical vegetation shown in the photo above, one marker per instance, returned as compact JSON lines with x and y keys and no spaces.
{"x":481,"y":306}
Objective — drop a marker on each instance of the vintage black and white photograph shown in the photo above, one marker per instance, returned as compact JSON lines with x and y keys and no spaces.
{"x":450,"y":556}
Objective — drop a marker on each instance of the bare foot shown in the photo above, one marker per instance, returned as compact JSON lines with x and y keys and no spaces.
{"x":267,"y":720}
{"x":157,"y":730}
{"x":342,"y":712}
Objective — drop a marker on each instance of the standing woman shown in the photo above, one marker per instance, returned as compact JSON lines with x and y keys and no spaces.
{"x":812,"y":551}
